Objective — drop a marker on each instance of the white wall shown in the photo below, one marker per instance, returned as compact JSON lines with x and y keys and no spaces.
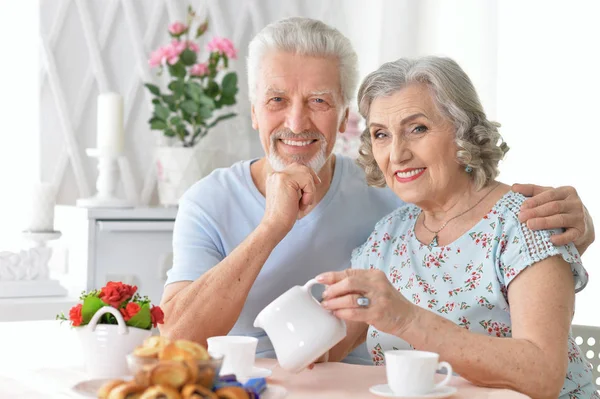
{"x":19,"y":114}
{"x":94,"y":46}
{"x":548,"y":104}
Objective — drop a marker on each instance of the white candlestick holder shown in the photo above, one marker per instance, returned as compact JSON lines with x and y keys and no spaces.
{"x":106,"y":184}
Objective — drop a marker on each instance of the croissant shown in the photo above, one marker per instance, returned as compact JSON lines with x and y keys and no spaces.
{"x":183,"y":349}
{"x":161,"y":392}
{"x":173,"y":374}
{"x":232,"y":393}
{"x":107,"y":387}
{"x":128,"y":390}
{"x":197,"y":391}
{"x":151,"y":346}
{"x":156,"y":340}
{"x":196,"y":350}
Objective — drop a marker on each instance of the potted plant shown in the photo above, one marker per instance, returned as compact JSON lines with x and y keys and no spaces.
{"x":195,"y":101}
{"x":110,"y":323}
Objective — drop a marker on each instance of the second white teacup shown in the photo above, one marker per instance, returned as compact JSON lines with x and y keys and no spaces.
{"x":411,"y":372}
{"x":238,"y":351}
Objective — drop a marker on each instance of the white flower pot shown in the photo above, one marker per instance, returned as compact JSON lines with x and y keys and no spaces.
{"x":178,"y":168}
{"x":106,"y":345}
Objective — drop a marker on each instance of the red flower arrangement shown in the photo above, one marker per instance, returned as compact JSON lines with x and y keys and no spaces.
{"x":137,"y":311}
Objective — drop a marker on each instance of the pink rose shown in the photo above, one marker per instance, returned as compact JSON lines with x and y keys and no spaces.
{"x":193,"y":46}
{"x":223,"y":46}
{"x":199,"y":69}
{"x":158,"y":57}
{"x":177,"y":28}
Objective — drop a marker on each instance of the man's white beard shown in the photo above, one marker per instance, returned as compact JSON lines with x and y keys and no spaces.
{"x":316,"y":162}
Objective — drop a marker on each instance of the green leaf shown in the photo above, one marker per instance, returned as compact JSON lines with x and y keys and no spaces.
{"x":175,"y":120}
{"x":221,"y":118}
{"x":182,"y":131}
{"x":153,"y":89}
{"x":157,"y":124}
{"x":142,"y":318}
{"x":194,"y":90}
{"x":177,"y":87}
{"x":91,"y":304}
{"x":188,"y":57}
{"x":213,"y":89}
{"x":189,"y":106}
{"x":205,"y":112}
{"x":156,"y":101}
{"x":178,"y":70}
{"x":230,"y":84}
{"x":169,"y":132}
{"x":161,"y":112}
{"x":171,"y":102}
{"x":227,"y":100}
{"x":207,"y":102}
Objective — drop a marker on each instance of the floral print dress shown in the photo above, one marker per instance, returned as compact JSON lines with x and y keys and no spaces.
{"x":466,"y":281}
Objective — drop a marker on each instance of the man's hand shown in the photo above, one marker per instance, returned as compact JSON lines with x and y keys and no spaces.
{"x":553,"y":208}
{"x":288,"y":194}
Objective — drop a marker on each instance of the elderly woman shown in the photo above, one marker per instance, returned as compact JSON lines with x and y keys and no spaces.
{"x":456,"y":272}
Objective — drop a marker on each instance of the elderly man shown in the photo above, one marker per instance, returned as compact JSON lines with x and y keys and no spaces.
{"x":246,"y":234}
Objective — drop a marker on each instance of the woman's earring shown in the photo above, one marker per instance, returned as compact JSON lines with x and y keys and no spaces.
{"x":468,"y":169}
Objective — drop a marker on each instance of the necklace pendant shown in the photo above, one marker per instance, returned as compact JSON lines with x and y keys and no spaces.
{"x":434,"y":241}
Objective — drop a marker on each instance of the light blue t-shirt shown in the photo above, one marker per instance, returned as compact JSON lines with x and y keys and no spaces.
{"x":221,"y":210}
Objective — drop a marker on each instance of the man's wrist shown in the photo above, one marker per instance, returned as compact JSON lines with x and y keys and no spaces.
{"x":272,"y":232}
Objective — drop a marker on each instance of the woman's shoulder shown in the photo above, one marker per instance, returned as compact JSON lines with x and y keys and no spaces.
{"x":508,"y":208}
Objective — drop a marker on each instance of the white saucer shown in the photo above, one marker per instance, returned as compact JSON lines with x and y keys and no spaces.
{"x":257,"y":372}
{"x":89,"y":388}
{"x":385,"y":391}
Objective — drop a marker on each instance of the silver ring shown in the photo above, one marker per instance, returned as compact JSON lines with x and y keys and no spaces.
{"x":363,"y":301}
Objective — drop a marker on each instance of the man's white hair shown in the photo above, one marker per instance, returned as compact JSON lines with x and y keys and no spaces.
{"x":309,"y":37}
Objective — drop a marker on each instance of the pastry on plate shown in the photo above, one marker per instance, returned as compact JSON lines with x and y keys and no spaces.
{"x":128,"y":390}
{"x":197,"y":391}
{"x":161,"y":392}
{"x":232,"y":393}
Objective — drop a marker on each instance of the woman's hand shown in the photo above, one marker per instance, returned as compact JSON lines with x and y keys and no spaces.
{"x":387,"y":311}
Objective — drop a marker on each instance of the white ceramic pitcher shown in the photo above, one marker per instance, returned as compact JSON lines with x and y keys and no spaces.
{"x":299,"y":328}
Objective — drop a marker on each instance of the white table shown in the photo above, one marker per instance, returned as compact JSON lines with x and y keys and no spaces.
{"x":41,"y":359}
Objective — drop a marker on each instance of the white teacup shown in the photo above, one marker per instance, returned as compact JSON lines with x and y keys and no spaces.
{"x":411,"y":372}
{"x":238,"y":351}
{"x":300,"y":329}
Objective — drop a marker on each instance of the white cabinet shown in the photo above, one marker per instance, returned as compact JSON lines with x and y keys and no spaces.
{"x":129,"y":245}
{"x":98,"y":245}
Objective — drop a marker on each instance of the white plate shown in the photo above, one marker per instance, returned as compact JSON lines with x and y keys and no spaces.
{"x":438,"y":393}
{"x":89,"y":389}
{"x":257,"y":372}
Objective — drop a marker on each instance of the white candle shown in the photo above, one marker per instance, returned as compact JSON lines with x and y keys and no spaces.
{"x":42,"y":201}
{"x":110,"y":123}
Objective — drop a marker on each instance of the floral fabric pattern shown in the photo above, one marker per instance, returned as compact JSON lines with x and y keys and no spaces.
{"x":467,"y":281}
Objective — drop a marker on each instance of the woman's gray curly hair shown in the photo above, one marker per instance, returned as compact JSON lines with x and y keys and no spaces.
{"x":480,"y":145}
